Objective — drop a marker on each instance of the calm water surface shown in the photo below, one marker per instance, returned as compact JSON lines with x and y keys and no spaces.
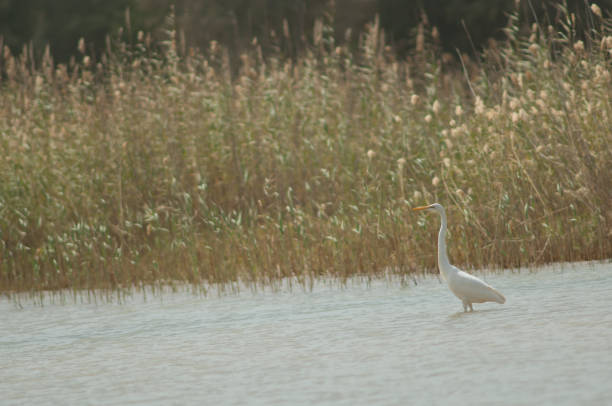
{"x":383,"y":344}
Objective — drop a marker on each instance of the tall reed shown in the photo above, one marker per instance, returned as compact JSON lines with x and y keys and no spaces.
{"x":152,"y":165}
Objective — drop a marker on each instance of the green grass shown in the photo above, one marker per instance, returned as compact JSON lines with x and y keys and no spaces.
{"x":153,"y":167}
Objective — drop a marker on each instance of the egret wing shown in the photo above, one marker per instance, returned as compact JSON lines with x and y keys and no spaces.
{"x":475,"y":290}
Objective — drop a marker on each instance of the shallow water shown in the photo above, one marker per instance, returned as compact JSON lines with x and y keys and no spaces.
{"x":382,"y":343}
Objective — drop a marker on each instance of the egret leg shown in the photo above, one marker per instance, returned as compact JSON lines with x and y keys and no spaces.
{"x":471,"y":308}
{"x":465,"y":306}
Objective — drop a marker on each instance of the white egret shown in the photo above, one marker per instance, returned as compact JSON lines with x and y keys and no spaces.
{"x":468,"y":288}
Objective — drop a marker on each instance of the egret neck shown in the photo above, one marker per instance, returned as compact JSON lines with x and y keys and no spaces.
{"x":443,"y":262}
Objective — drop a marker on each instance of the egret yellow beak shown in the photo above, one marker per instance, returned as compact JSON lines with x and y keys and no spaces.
{"x":421,"y":208}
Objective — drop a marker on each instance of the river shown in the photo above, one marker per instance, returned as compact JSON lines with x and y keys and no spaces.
{"x":377,"y":343}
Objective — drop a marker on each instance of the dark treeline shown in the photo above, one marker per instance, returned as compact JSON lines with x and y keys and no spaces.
{"x":278,"y":25}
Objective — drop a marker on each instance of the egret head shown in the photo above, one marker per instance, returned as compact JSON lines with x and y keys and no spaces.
{"x":432,"y":207}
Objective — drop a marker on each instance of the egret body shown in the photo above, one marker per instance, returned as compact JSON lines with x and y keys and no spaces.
{"x":468,"y":288}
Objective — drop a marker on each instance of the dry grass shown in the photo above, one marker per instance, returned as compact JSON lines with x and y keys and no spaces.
{"x":149,"y":167}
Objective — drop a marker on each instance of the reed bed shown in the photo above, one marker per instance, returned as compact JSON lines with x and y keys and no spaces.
{"x":152,"y":165}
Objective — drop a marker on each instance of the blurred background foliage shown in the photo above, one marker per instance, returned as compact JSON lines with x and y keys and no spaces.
{"x":278,"y":25}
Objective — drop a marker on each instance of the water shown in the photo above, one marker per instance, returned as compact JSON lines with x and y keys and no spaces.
{"x":383,"y":344}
